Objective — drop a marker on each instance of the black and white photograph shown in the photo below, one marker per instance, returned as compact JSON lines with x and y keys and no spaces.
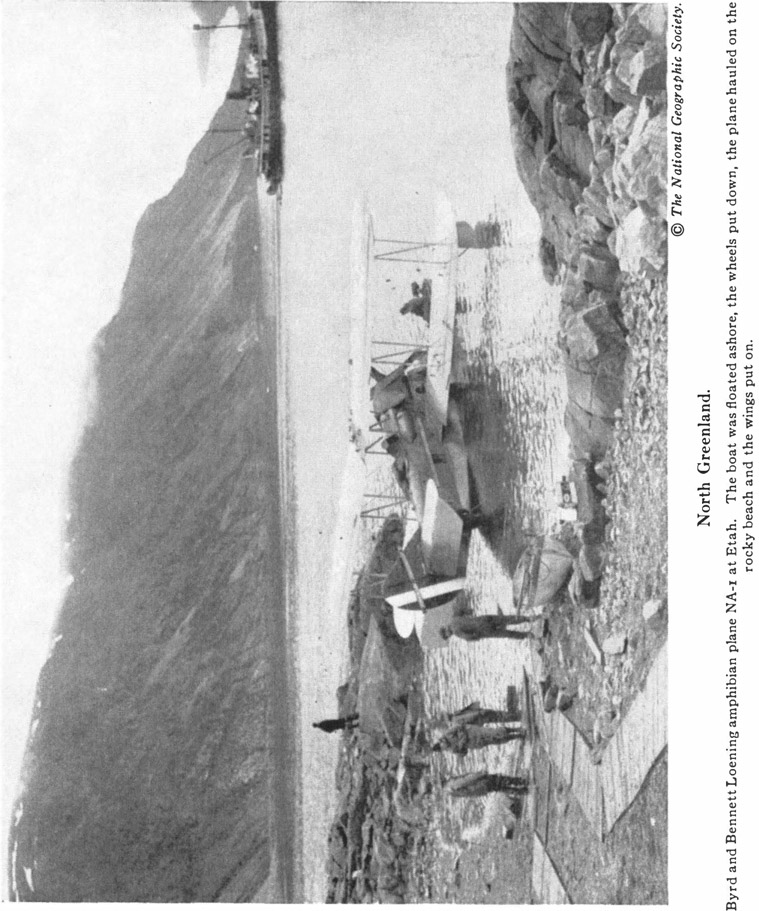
{"x":336,"y":415}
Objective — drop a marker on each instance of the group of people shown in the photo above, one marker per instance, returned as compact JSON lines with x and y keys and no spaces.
{"x":474,"y":727}
{"x":471,"y":728}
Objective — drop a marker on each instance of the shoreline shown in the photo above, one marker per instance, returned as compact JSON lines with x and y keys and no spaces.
{"x":286,"y":815}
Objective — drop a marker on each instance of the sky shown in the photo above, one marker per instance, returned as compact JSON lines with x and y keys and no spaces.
{"x":102,"y":104}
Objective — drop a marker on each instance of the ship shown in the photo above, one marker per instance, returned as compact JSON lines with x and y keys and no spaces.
{"x":259,"y":90}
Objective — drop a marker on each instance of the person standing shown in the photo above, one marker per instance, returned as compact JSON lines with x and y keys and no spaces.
{"x":420,"y":304}
{"x":474,"y":713}
{"x":487,"y":626}
{"x":461,"y":738}
{"x":337,"y":724}
{"x":478,"y":784}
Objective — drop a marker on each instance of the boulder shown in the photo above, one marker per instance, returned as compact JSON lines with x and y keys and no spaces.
{"x":645,"y":115}
{"x":652,"y":608}
{"x":605,"y":159}
{"x":646,"y":21}
{"x":645,"y":72}
{"x":568,"y":111}
{"x":617,"y":90}
{"x":640,"y":242}
{"x":589,"y":228}
{"x":557,"y":194}
{"x":544,"y":26}
{"x":547,"y":255}
{"x":597,"y":386}
{"x":590,"y":434}
{"x":597,"y":102}
{"x":604,"y":321}
{"x":621,"y":53}
{"x":559,"y":182}
{"x":591,"y":561}
{"x":619,"y":12}
{"x":640,"y":171}
{"x":614,"y":645}
{"x":598,"y":267}
{"x":576,"y":61}
{"x":586,"y":23}
{"x":527,"y":142}
{"x":530,"y":60}
{"x":550,"y":698}
{"x":579,"y":339}
{"x":604,"y":726}
{"x":573,"y":140}
{"x":569,"y":85}
{"x":574,"y":295}
{"x":620,"y":207}
{"x":585,"y":497}
{"x":596,"y":196}
{"x":598,"y":129}
{"x":603,"y":53}
{"x":539,"y":94}
{"x":621,"y":127}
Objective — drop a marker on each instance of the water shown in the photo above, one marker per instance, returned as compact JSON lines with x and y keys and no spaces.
{"x":413,"y":123}
{"x":508,"y":339}
{"x":509,"y":336}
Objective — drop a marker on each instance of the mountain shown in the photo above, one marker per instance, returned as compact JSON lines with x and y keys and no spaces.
{"x":154,"y":766}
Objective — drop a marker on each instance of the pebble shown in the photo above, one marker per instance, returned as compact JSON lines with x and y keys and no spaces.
{"x":604,"y":726}
{"x":614,"y":645}
{"x":550,"y":699}
{"x":652,"y":608}
{"x":592,"y":645}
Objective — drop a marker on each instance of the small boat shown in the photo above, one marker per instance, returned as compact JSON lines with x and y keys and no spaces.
{"x":541,"y":571}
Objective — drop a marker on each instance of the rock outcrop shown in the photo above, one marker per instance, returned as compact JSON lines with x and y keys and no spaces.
{"x":587,"y":100}
{"x":380,"y":818}
{"x":588,"y":107}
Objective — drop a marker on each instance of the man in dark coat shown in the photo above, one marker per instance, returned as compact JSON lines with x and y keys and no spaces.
{"x":461,"y":738}
{"x":487,"y":626}
{"x":477,"y":784}
{"x":474,"y":713}
{"x":337,"y":724}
